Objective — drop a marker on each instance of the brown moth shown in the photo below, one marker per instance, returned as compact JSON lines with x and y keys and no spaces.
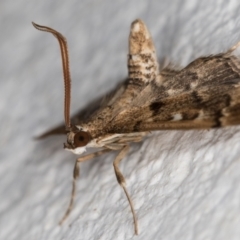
{"x":205,"y":94}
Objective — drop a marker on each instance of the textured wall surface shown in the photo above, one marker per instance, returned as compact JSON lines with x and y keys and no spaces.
{"x":184,"y":185}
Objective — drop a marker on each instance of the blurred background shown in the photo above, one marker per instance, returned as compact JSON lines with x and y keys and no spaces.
{"x":184,"y":185}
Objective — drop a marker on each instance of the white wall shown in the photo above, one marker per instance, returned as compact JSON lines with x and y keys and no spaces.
{"x":185,"y":185}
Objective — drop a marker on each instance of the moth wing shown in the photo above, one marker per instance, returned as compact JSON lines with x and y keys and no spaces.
{"x":190,"y":110}
{"x":205,"y":94}
{"x":89,"y":111}
{"x":194,"y":97}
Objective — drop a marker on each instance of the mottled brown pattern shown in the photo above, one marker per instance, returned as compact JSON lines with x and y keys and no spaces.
{"x":205,"y":94}
{"x":205,"y":85}
{"x":206,"y":90}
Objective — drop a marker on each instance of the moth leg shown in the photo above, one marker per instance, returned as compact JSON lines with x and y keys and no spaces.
{"x":76,"y":174}
{"x":164,"y":63}
{"x":122,"y":183}
{"x":233,"y":48}
{"x":115,"y":146}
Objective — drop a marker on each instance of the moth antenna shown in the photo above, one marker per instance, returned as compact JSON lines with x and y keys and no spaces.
{"x":66,"y":70}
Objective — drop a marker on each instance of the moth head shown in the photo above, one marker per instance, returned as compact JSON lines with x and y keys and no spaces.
{"x":77,"y":141}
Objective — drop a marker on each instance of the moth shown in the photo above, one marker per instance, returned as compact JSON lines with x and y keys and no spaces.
{"x":203,"y":95}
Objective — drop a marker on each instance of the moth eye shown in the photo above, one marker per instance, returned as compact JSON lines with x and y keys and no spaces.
{"x":81,"y":139}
